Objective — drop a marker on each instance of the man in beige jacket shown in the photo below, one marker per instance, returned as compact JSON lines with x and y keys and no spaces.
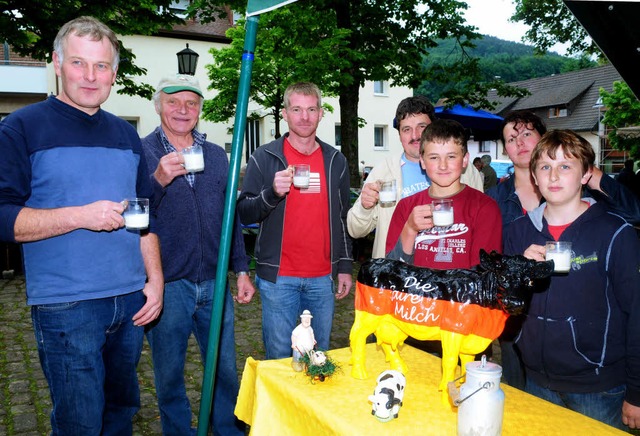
{"x":413,"y":115}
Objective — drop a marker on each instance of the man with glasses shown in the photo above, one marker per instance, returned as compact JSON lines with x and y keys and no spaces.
{"x":303,"y":246}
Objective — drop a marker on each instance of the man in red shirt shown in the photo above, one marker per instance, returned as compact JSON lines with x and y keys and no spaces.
{"x":303,"y":245}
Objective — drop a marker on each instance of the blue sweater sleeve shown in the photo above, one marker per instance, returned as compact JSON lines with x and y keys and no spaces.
{"x":239,"y":258}
{"x":15,"y":175}
{"x":618,"y":199}
{"x":624,"y":273}
{"x":145,"y":184}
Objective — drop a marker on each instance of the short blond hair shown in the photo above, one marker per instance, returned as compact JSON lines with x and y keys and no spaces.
{"x":304,"y":88}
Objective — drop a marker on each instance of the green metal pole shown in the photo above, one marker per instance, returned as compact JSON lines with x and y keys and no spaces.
{"x":239,"y":126}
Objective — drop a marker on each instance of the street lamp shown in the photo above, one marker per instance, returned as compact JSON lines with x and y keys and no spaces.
{"x":187,"y":61}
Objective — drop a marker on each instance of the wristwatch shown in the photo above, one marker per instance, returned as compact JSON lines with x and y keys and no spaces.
{"x":242,"y":273}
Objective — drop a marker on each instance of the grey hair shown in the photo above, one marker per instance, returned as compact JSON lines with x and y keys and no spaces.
{"x":486,"y":159}
{"x":87,"y":26}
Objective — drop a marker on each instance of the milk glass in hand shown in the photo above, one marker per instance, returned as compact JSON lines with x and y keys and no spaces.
{"x":560,"y":253}
{"x":387,"y":193}
{"x":193,"y":159}
{"x":442,"y":210}
{"x":136,"y":213}
{"x":301,"y":174}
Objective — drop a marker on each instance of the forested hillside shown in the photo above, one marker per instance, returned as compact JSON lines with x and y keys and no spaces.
{"x":510,"y":61}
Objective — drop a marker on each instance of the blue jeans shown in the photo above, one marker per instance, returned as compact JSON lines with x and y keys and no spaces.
{"x":602,"y":406}
{"x":187,"y":309}
{"x":282,"y":304}
{"x":89,"y":351}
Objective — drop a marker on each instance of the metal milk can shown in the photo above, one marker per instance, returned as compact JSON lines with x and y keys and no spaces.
{"x":481,"y":400}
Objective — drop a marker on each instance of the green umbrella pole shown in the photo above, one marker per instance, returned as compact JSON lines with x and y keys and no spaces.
{"x":240,"y":123}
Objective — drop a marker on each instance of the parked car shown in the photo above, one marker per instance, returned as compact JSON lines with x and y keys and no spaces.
{"x":504,"y":168}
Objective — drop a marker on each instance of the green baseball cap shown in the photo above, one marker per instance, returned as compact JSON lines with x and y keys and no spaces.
{"x":178,"y":83}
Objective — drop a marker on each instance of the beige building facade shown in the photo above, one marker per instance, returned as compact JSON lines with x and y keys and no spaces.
{"x":23,"y":82}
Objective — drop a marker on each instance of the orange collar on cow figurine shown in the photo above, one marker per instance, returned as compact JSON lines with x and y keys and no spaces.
{"x":465,"y":309}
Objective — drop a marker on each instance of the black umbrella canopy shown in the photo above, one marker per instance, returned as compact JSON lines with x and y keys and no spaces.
{"x":613,"y":25}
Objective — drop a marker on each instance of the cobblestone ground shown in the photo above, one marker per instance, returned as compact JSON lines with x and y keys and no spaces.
{"x":24,"y":396}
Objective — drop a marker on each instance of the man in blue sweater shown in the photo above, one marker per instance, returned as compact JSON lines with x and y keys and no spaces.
{"x":189,"y":210}
{"x":66,"y":167}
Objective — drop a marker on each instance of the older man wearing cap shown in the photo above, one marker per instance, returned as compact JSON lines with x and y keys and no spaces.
{"x":189,"y":219}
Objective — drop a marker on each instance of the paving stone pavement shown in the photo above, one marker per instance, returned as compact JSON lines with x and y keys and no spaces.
{"x":24,"y":395}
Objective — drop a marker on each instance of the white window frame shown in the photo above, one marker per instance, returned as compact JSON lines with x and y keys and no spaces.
{"x":380,"y":84}
{"x":558,"y":112}
{"x":380,"y":131}
{"x":337,"y":134}
{"x":180,"y":5}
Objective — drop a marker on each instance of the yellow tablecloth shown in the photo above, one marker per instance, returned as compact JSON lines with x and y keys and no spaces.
{"x":275,"y":400}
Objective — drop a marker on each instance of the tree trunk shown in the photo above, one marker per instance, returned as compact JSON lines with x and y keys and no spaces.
{"x":277,"y":116}
{"x":349,"y":99}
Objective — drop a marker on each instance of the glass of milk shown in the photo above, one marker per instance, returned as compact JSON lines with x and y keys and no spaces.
{"x":136,"y":213}
{"x":301,"y":176}
{"x":193,"y":159}
{"x":560,"y":253}
{"x":442,"y":209}
{"x":388,"y":193}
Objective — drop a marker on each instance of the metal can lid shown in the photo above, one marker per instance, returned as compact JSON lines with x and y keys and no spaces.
{"x":483,"y":367}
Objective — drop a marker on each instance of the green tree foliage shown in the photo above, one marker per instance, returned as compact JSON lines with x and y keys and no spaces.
{"x":384,"y":40}
{"x":578,"y":63}
{"x":280,"y":60}
{"x":623,"y":110}
{"x":551,"y":22}
{"x":31,"y":26}
{"x":506,"y":60}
